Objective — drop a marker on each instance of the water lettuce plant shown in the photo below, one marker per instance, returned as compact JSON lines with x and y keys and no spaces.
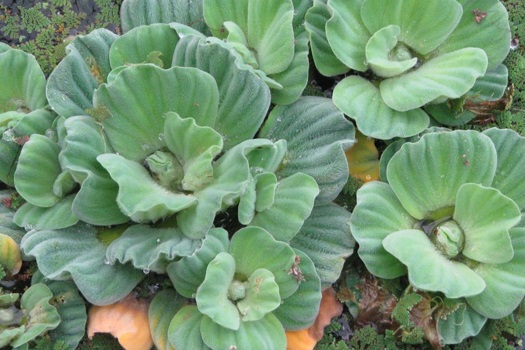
{"x":406,"y":55}
{"x":449,"y":217}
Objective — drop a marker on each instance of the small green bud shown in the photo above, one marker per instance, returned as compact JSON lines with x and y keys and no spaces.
{"x":237,"y":290}
{"x":400,"y":53}
{"x":165,"y":169}
{"x":448,"y":237}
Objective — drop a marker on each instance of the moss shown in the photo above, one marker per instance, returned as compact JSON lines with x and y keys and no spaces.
{"x":100,"y":341}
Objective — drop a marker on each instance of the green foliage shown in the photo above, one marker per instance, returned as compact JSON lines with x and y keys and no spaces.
{"x":401,"y":312}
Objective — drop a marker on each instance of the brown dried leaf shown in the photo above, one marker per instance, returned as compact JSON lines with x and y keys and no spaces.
{"x":363,"y":159}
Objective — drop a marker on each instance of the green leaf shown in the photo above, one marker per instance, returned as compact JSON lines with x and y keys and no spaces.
{"x":23,"y":87}
{"x":294,"y":78}
{"x":378,"y":53}
{"x":293,"y":203}
{"x":424,"y":26}
{"x":71,"y":85}
{"x":250,"y":246}
{"x":161,"y":311}
{"x":485,"y":216}
{"x":262,"y":296}
{"x":362,"y":101}
{"x":139,"y":97}
{"x":492,"y":34}
{"x":71,"y":308}
{"x":140,"y":197}
{"x":80,"y":255}
{"x":324,"y":58}
{"x":450,"y":75}
{"x":58,"y":216}
{"x":96,"y":201}
{"x":325,"y":237}
{"x":266,"y":333}
{"x":379,"y":213}
{"x":42,"y":316}
{"x":464,"y":322}
{"x":134,"y":13}
{"x":150,"y":249}
{"x":510,"y":147}
{"x":491,"y":86}
{"x":268,"y":28}
{"x":317,"y":134}
{"x":242,"y":95}
{"x":347,"y":33}
{"x":188,"y":273}
{"x":140,"y":44}
{"x":426,"y":175}
{"x":300,"y":310}
{"x":36,"y":122}
{"x":38,"y":167}
{"x":195,"y":147}
{"x":505,"y":282}
{"x":212,"y":295}
{"x":429,"y":270}
{"x":184,"y":331}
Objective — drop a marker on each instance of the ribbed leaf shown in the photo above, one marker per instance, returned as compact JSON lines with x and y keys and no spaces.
{"x":266,"y":333}
{"x":146,"y":44}
{"x":188,"y":273}
{"x":485,"y":215}
{"x":150,"y":249}
{"x":242,"y":95}
{"x":510,"y":148}
{"x":317,"y":135}
{"x":361,"y":100}
{"x":140,"y":197}
{"x":161,"y":311}
{"x":79,"y":254}
{"x":60,"y":215}
{"x":324,"y":58}
{"x":424,"y":25}
{"x":439,"y":164}
{"x":378,"y":213}
{"x":505,"y":282}
{"x":134,"y":13}
{"x":262,"y":296}
{"x":139,"y":97}
{"x":461,"y":324}
{"x":325,"y":237}
{"x":428,"y":269}
{"x":72,"y":83}
{"x":491,"y":86}
{"x":347,"y":33}
{"x":450,"y":75}
{"x":184,"y":331}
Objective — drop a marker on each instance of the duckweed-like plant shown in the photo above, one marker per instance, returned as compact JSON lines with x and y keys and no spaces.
{"x":407,"y":55}
{"x":448,"y":217}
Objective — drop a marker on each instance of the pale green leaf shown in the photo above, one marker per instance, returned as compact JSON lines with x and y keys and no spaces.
{"x":424,"y":25}
{"x":347,"y":33}
{"x":510,"y":147}
{"x":161,"y":311}
{"x":491,"y":86}
{"x":71,"y":85}
{"x":361,"y":100}
{"x":37,"y":169}
{"x":464,"y":322}
{"x":139,"y":196}
{"x":188,"y":273}
{"x":324,"y":58}
{"x":150,"y":249}
{"x":146,"y":44}
{"x":134,"y":13}
{"x":140,"y":96}
{"x":58,"y":216}
{"x":253,"y":248}
{"x":485,"y":215}
{"x":450,"y":75}
{"x":317,"y":134}
{"x":428,"y":269}
{"x":212,"y":295}
{"x":379,"y":213}
{"x":79,"y":254}
{"x":195,"y":147}
{"x":266,"y":333}
{"x":184,"y":331}
{"x":325,"y":237}
{"x":439,"y":164}
{"x":505,"y":282}
{"x":293,"y":203}
{"x":262,"y":296}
